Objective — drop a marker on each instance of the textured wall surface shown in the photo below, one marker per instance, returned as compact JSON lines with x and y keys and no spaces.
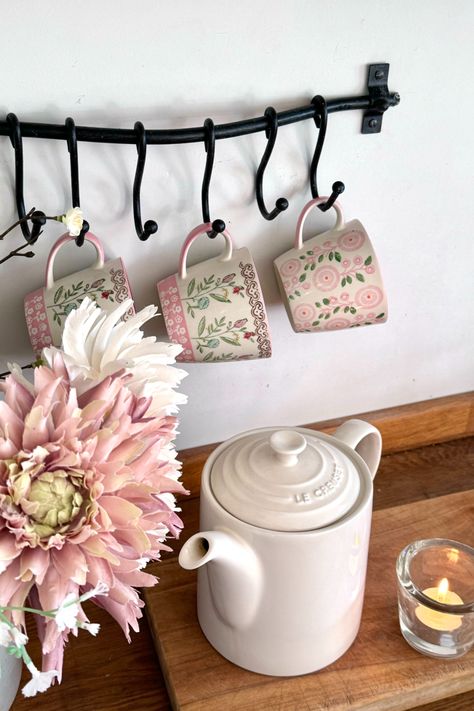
{"x":173,"y":64}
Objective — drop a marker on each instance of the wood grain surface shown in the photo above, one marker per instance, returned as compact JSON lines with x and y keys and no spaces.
{"x":380,"y":672}
{"x":107,"y":674}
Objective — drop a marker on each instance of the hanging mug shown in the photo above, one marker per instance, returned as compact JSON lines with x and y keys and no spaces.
{"x":47,"y":308}
{"x":215,"y":309}
{"x":331,"y":281}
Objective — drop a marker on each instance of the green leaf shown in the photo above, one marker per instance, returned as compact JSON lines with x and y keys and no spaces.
{"x":202,"y":326}
{"x":346,"y":309}
{"x":58,"y":293}
{"x":313,"y":267}
{"x":353,"y":310}
{"x":318,"y":304}
{"x":191,"y":286}
{"x":380,"y":316}
{"x":337,"y":256}
{"x":208,"y":356}
{"x":343,"y":282}
{"x":230,"y":341}
{"x":327,"y":316}
{"x":368,"y":261}
{"x":326,"y":302}
{"x":291,"y":297}
{"x":302,"y":277}
{"x":315,"y":323}
{"x":306,"y":267}
{"x":349,"y":279}
{"x":219,"y":297}
{"x":298,"y":293}
{"x":302,"y":257}
{"x":336,"y":309}
{"x":331,"y":256}
{"x":321,"y":257}
{"x":360,"y":276}
{"x":310,"y":252}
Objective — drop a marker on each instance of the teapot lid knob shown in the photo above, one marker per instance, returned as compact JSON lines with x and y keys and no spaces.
{"x":287,"y":445}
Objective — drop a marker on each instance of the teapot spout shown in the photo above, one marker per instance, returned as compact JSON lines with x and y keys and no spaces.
{"x":233,"y":570}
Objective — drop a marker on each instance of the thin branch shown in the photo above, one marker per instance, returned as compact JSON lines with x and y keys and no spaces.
{"x":18,"y":253}
{"x":35,"y":364}
{"x":19,"y":222}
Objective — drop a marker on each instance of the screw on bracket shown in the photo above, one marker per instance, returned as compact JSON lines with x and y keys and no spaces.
{"x":380,"y":98}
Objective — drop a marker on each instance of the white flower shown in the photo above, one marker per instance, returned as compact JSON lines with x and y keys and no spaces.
{"x":96,"y":344}
{"x":73,"y":220}
{"x":11,"y":636}
{"x":92,"y":627}
{"x":100,"y":589}
{"x":66,"y":614}
{"x":40,"y":681}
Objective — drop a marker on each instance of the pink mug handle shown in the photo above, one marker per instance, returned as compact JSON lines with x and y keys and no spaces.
{"x":304,"y":214}
{"x":194,"y":234}
{"x":99,"y":263}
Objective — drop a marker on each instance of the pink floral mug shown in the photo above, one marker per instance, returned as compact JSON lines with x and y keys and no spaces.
{"x":215,"y":309}
{"x":46,"y":308}
{"x":331,"y":281}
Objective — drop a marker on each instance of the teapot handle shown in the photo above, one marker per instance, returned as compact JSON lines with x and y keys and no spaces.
{"x":365,"y":439}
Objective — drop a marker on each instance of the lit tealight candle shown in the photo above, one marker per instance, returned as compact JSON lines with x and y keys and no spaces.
{"x":441,"y":621}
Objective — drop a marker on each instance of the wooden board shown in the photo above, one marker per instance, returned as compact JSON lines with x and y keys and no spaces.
{"x":403,"y":428}
{"x":379,"y":673}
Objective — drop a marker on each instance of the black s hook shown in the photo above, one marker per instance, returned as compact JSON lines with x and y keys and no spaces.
{"x":74,"y":162}
{"x":321,"y":121}
{"x":150,"y":226}
{"x":38,"y":218}
{"x":271,"y":134}
{"x":218,"y":226}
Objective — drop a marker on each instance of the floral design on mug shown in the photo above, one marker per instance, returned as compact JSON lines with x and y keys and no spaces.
{"x":350,"y":241}
{"x":199,"y":294}
{"x":210,"y":335}
{"x":66,"y":300}
{"x":305,"y":313}
{"x":355,"y":269}
{"x":369,"y":296}
{"x":290,"y":268}
{"x":326,"y":278}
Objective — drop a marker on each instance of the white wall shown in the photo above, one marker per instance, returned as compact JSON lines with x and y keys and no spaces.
{"x":172,"y":64}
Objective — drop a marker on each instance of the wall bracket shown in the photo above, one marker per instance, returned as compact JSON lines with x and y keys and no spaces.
{"x":380,"y":97}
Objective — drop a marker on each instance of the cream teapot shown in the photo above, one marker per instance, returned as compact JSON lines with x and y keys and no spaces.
{"x":282,"y":553}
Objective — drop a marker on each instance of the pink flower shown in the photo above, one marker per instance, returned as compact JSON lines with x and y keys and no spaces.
{"x":290,"y":267}
{"x":369,"y":296}
{"x":344,"y":296}
{"x":336,"y":324}
{"x":241,"y":322}
{"x":346,"y":263}
{"x":351,"y":240}
{"x":358,"y":261}
{"x":370,"y":269}
{"x":304,"y":312}
{"x":237,"y":289}
{"x":326,"y":278}
{"x":85,"y":496}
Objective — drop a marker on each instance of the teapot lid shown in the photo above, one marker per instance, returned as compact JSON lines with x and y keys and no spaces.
{"x":290,"y":479}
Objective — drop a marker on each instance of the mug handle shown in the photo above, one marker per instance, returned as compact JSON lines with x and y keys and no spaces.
{"x":304,"y":214}
{"x":194,"y":234}
{"x":99,"y":262}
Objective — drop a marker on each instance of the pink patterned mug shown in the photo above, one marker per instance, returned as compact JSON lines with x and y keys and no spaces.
{"x":331,"y":281}
{"x":47,"y":307}
{"x":215,"y":309}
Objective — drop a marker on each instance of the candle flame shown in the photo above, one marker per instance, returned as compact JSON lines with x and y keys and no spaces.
{"x":443,"y":589}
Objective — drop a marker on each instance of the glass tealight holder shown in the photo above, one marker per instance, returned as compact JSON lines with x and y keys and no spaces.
{"x":436,"y":597}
